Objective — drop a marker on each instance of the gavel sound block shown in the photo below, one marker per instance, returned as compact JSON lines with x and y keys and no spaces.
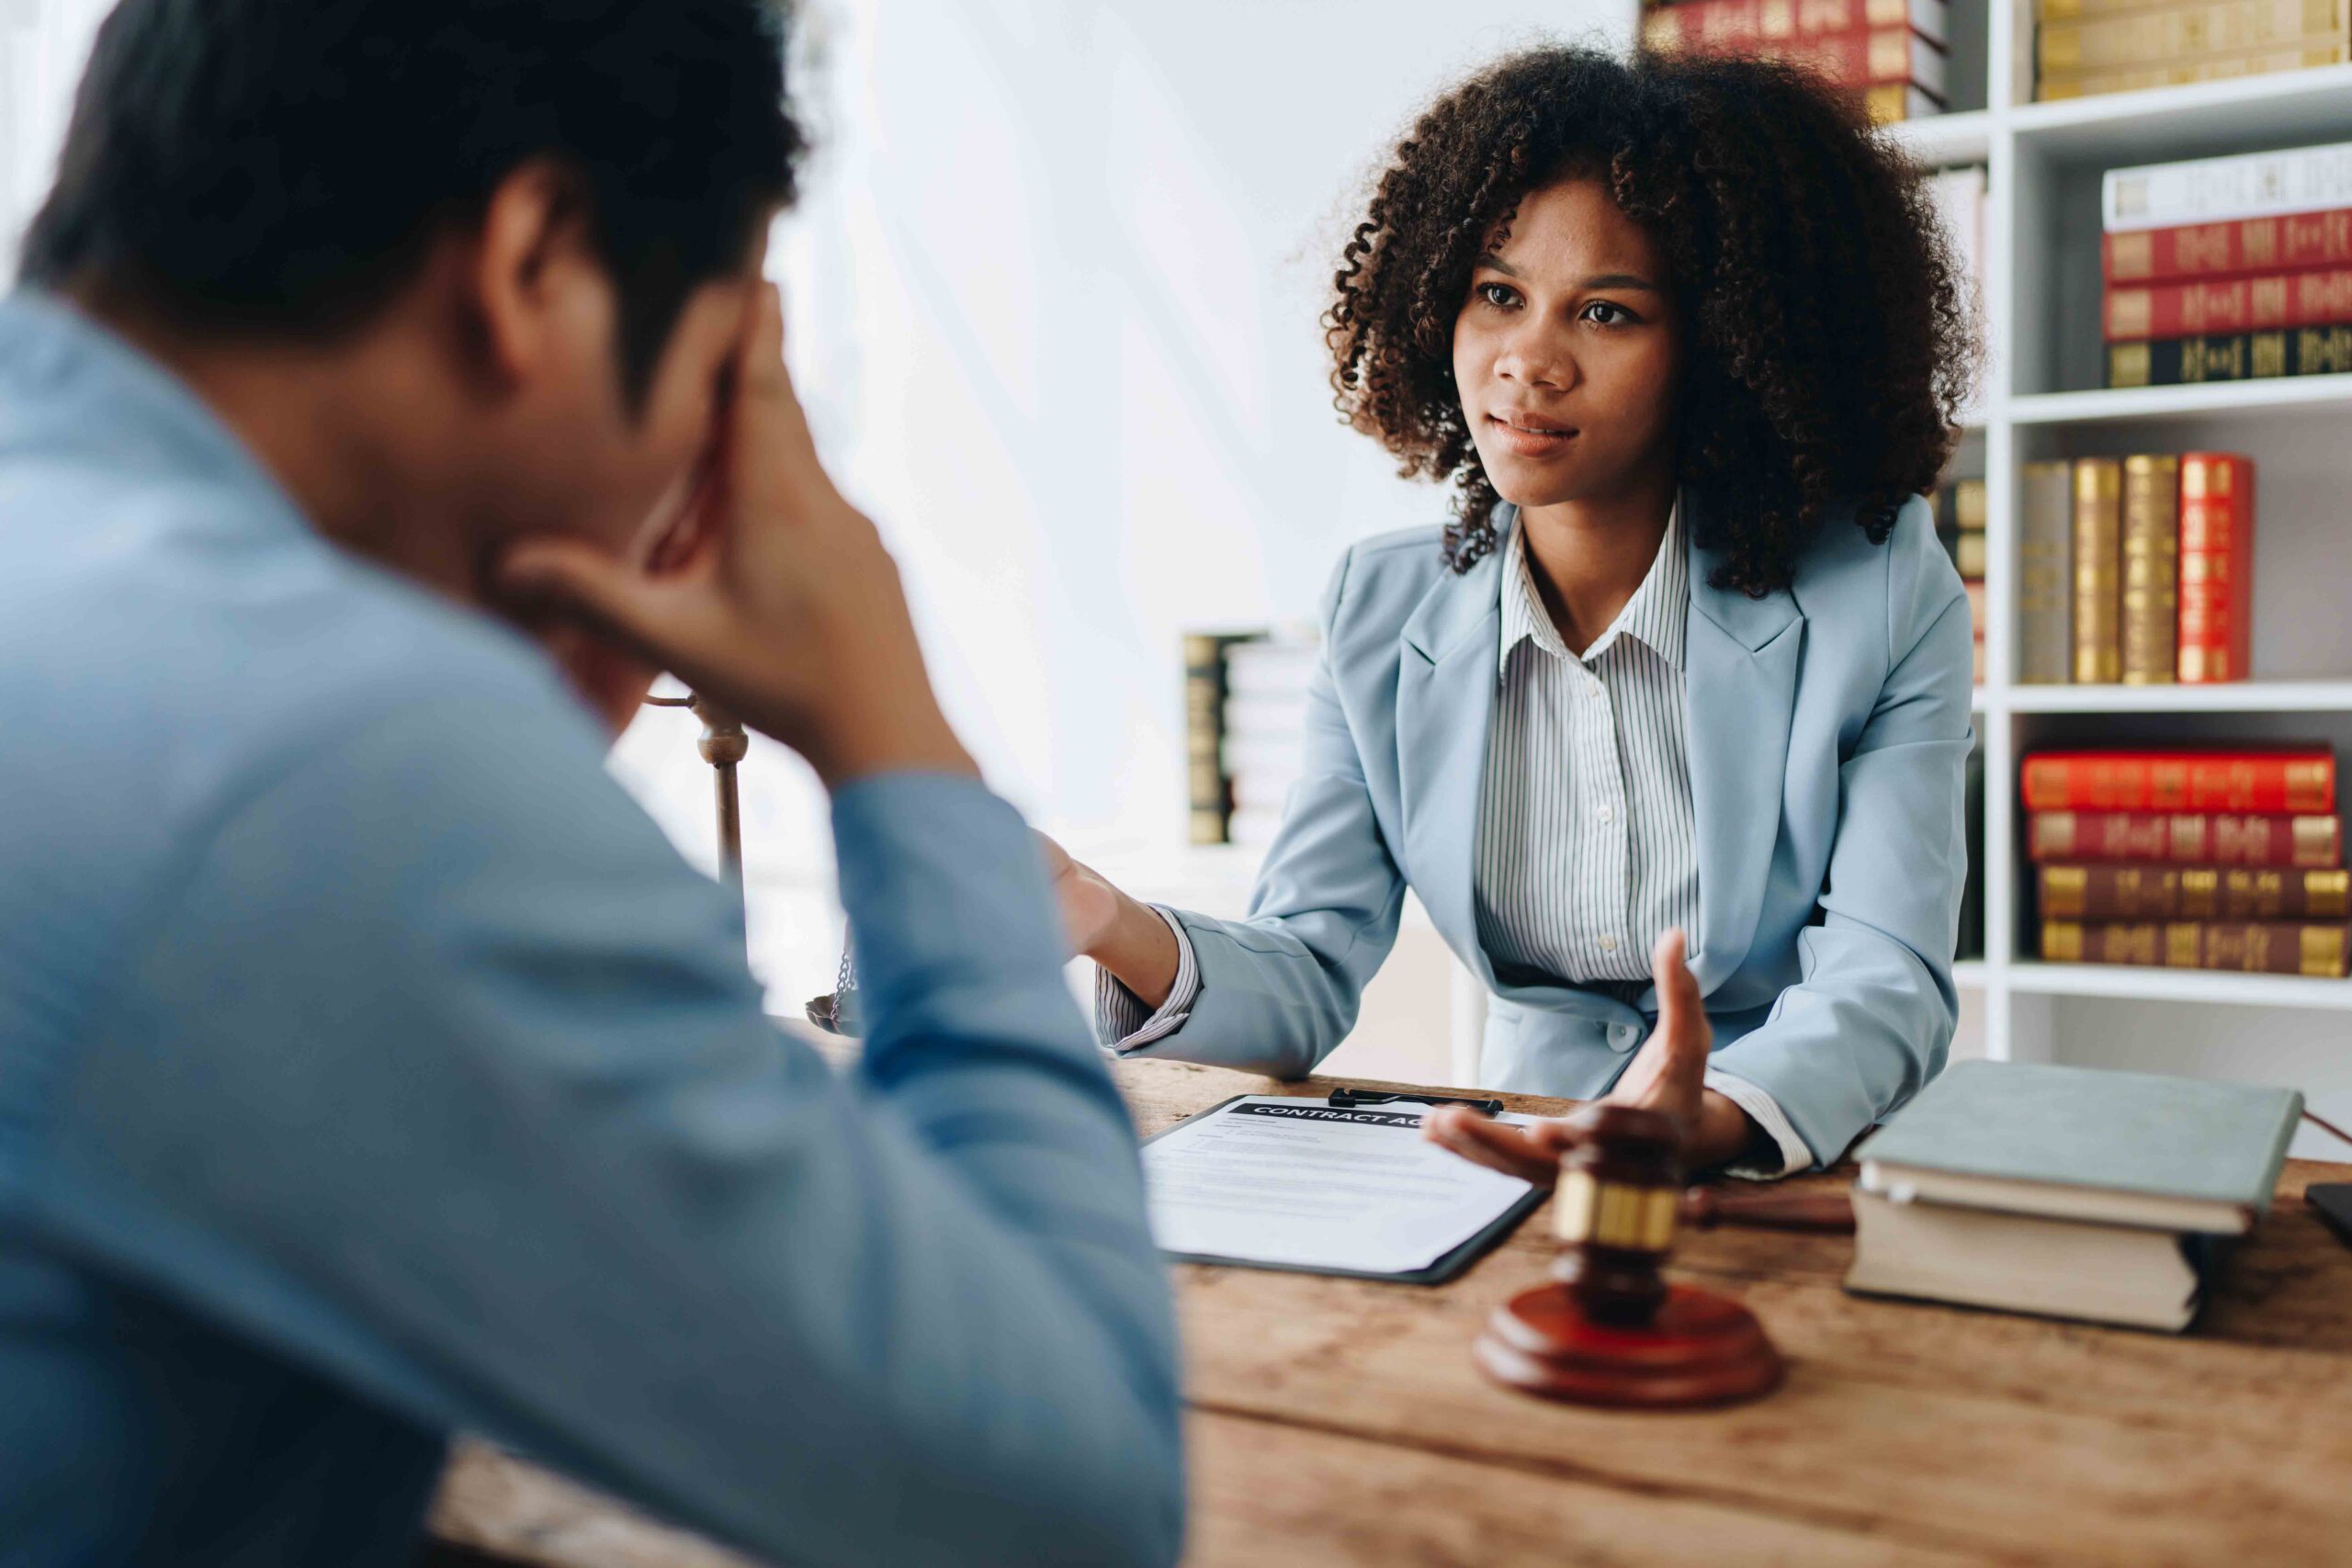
{"x":1610,"y":1330}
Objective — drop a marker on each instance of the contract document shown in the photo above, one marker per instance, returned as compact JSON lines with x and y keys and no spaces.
{"x":1295,"y":1184}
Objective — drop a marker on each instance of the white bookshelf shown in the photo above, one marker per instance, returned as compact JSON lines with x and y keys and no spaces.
{"x":2043,"y":400}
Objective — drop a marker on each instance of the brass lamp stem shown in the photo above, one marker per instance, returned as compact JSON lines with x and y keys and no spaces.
{"x":723,"y":744}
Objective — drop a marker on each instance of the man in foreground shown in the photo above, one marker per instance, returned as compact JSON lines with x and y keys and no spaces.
{"x":370,"y":1067}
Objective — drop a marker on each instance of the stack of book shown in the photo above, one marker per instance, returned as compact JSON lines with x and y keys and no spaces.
{"x":1890,"y":53}
{"x":1245,"y":717}
{"x":2086,"y":47}
{"x":2225,"y":269}
{"x":2137,"y":569}
{"x":2191,"y":860}
{"x":1960,"y":523}
{"x":2066,"y":1191}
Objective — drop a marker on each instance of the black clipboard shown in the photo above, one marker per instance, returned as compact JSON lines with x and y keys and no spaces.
{"x":1449,"y":1266}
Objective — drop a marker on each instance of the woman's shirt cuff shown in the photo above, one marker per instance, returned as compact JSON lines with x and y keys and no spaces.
{"x":1122,"y":1021}
{"x":1766,"y":1112}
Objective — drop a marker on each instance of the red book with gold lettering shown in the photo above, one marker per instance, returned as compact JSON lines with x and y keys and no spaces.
{"x":2295,"y":243}
{"x":2185,"y":837}
{"x":2201,"y":306}
{"x":2216,"y":566}
{"x":2302,"y":779}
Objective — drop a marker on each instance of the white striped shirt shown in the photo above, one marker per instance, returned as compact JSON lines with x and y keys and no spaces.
{"x":1586,"y":845}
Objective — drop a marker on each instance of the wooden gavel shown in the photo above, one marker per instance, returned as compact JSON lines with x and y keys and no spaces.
{"x":1611,"y":1329}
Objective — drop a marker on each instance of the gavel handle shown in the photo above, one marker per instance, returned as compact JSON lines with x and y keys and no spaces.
{"x":1828,"y":1213}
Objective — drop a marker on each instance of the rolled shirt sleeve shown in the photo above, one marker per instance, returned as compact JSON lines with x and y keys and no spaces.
{"x":1122,"y":1021}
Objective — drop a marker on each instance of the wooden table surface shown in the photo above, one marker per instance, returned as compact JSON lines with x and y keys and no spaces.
{"x":1341,"y":1421}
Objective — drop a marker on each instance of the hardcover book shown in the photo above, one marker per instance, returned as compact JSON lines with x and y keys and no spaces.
{"x":2060,"y":84}
{"x":2302,"y":779}
{"x":2297,"y":244}
{"x":2150,"y":568}
{"x":2316,"y":948}
{"x":2216,"y":566}
{"x":2088,"y":1143}
{"x":1730,"y":24}
{"x":2237,"y":357}
{"x":2157,"y":892}
{"x":2178,"y":31}
{"x":2045,"y":573}
{"x":2215,"y":190}
{"x":2186,"y":838}
{"x":2066,"y":1191}
{"x":2203,"y":307}
{"x":2098,"y":570}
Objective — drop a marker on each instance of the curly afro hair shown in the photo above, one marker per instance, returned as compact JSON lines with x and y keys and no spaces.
{"x":1829,"y":344}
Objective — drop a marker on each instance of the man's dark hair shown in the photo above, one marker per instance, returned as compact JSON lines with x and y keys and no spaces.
{"x":280,"y":165}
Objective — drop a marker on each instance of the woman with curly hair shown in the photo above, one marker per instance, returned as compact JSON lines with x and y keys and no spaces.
{"x":1666,"y":726}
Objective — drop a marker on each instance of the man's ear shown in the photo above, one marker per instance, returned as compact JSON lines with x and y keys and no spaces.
{"x":533,"y":279}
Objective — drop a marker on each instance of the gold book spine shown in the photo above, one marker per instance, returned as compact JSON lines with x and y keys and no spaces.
{"x":2045,"y":574}
{"x":2098,"y":570}
{"x":2054,"y":85}
{"x":2150,"y":524}
{"x":2178,"y":33}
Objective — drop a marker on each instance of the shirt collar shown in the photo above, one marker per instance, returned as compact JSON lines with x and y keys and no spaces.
{"x":1655,"y":616}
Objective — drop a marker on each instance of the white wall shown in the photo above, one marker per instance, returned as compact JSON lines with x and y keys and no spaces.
{"x":1053,"y":297}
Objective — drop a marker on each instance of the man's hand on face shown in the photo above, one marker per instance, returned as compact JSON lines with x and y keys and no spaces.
{"x":774,"y":596}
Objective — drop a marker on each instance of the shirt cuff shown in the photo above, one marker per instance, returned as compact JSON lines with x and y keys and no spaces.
{"x":1766,"y":1114}
{"x":1119,"y":1018}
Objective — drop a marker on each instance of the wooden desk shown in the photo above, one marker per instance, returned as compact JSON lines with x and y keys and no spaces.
{"x":1340,"y":1421}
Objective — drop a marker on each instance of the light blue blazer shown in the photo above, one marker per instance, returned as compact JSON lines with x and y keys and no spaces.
{"x":1828,"y":736}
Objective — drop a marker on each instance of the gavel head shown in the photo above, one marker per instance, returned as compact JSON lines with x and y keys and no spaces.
{"x":1615,"y":1210}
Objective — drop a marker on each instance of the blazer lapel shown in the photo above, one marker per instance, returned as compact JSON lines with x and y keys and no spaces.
{"x":1445,"y":696}
{"x":1740,"y":659}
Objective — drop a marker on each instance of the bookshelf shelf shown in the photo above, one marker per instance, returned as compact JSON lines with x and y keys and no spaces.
{"x":1946,"y":137}
{"x":2220,"y":117}
{"x":2237,"y":697}
{"x":2127,"y":984}
{"x":2126,"y":405}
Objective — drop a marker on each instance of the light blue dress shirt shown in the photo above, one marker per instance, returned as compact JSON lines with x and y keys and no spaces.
{"x":371,"y":1068}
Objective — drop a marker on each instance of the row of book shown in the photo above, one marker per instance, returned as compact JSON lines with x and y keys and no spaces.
{"x":2136,"y":570}
{"x":2191,"y":860}
{"x":1960,"y":523}
{"x":1890,"y":53}
{"x":2224,"y":269}
{"x":2082,"y":48}
{"x":1245,"y":714}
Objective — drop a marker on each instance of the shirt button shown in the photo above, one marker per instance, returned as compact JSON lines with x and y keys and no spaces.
{"x":1609,"y":944}
{"x":1608,"y":814}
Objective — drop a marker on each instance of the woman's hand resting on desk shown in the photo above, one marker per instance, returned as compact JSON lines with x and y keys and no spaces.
{"x":765,"y":590}
{"x":1669,"y":1073}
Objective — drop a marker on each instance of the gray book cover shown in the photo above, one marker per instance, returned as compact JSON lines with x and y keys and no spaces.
{"x":2087,"y":1127}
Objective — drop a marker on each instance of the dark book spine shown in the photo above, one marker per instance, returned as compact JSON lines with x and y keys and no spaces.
{"x":1208,"y":787}
{"x":2235,"y":356}
{"x":2154,"y":891}
{"x":2258,"y":947}
{"x":2184,"y":838}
